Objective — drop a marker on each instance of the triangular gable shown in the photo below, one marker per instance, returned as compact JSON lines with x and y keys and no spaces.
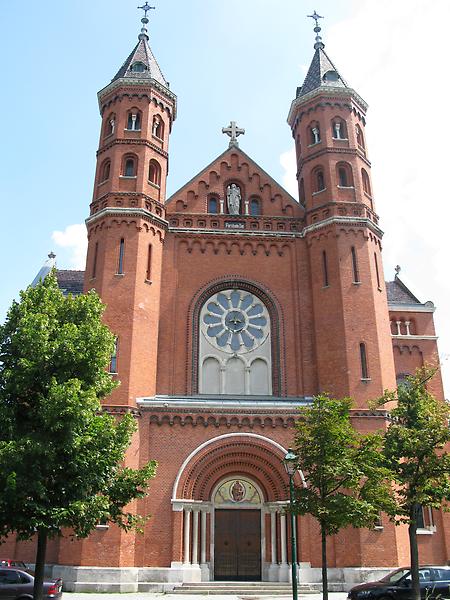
{"x":233,"y":165}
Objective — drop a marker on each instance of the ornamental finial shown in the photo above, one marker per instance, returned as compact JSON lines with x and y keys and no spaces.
{"x":317,"y":30}
{"x":146,"y":8}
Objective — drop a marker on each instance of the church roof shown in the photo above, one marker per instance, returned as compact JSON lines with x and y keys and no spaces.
{"x":45,"y":269}
{"x":321,"y":74}
{"x":141,"y":55}
{"x":70,"y":282}
{"x":399,"y":293}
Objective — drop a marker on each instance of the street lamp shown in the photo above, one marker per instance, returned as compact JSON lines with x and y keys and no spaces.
{"x":290,"y":464}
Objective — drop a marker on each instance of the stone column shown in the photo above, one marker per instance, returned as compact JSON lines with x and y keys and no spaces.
{"x":407,"y":324}
{"x":203,"y":538}
{"x":195,"y":538}
{"x":399,"y":324}
{"x":273,"y":538}
{"x":283,"y":538}
{"x":187,"y":533}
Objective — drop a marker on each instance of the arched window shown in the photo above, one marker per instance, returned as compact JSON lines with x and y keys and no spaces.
{"x":301,"y":191}
{"x":363,"y":359}
{"x":105,"y":171}
{"x":235,"y":355}
{"x":345,"y":175}
{"x":158,"y":127}
{"x":129,"y":167}
{"x":255,"y":207}
{"x":314,"y":133}
{"x":138,"y":67}
{"x":154,"y":172}
{"x":359,"y":137}
{"x":366,"y":182}
{"x":339,"y":129}
{"x":134,"y":120}
{"x":110,"y":125}
{"x":213,"y":205}
{"x":318,"y":180}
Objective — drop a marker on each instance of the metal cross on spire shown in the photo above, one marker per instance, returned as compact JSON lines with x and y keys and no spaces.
{"x":316,"y":18}
{"x":317,"y":30}
{"x":233,"y":131}
{"x":146,"y":7}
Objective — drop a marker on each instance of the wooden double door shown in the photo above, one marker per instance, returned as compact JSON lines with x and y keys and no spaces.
{"x":237,"y":545}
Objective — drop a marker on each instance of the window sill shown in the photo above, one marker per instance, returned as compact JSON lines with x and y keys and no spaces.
{"x":155,"y":185}
{"x":315,"y":144}
{"x":102,"y":527}
{"x":379,"y":289}
{"x":346,"y":187}
{"x":127,"y":176}
{"x":155,"y":137}
{"x":108,"y":136}
{"x":426,"y":530}
{"x":339,"y":139}
{"x":149,"y":281}
{"x":119,"y":274}
{"x":378,"y":528}
{"x":324,"y":287}
{"x":356,"y":282}
{"x":113,"y":372}
{"x":318,"y":192}
{"x":103,"y":182}
{"x":366,"y":379}
{"x":138,"y":130}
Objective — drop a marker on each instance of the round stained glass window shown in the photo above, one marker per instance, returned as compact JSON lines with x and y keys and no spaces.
{"x":236,"y":321}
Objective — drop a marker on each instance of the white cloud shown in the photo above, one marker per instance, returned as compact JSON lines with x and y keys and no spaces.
{"x":74,"y":239}
{"x":288,"y":162}
{"x":390,"y":54}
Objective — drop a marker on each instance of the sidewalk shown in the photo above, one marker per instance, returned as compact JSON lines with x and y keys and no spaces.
{"x":159,"y":596}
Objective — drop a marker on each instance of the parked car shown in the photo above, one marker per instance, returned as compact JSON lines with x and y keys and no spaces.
{"x":18,"y":583}
{"x":9,"y":562}
{"x":434,"y":583}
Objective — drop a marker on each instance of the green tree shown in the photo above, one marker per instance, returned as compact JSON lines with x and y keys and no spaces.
{"x":344,"y":480}
{"x":61,"y":456}
{"x":415,"y":452}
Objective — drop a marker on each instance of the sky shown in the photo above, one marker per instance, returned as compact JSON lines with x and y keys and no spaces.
{"x":226,"y":60}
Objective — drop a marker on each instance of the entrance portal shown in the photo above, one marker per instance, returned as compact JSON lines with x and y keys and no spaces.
{"x":237,"y":551}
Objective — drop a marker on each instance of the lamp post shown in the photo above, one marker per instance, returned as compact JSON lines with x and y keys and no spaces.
{"x":290,"y":464}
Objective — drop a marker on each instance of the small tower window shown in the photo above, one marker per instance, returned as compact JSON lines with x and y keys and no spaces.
{"x":138,"y":67}
{"x":154,"y":172}
{"x":355,"y":266}
{"x":105,"y":171}
{"x":343,"y":181}
{"x":148,"y":274}
{"x":330,"y":76}
{"x":359,"y":137}
{"x":134,"y":121}
{"x":213,"y":207}
{"x":129,"y":169}
{"x":339,"y":129}
{"x":363,"y":358}
{"x":121,"y":256}
{"x":158,"y":127}
{"x":301,"y":191}
{"x":344,"y":173}
{"x":113,"y":361}
{"x":366,"y":182}
{"x":326,"y":282}
{"x":314,"y":133}
{"x":255,"y":207}
{"x":319,"y":181}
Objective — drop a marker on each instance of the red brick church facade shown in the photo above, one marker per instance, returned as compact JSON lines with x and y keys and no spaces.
{"x":233,"y":304}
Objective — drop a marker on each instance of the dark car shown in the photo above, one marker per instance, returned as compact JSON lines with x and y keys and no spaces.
{"x":434,"y":583}
{"x":18,"y":583}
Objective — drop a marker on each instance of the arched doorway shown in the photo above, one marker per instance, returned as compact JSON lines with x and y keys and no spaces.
{"x":236,"y":540}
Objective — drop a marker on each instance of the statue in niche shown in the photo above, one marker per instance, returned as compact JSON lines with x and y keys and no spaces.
{"x":112,"y":125}
{"x":233,"y":199}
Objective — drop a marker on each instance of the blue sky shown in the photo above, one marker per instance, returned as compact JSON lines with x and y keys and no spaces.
{"x":239,"y":60}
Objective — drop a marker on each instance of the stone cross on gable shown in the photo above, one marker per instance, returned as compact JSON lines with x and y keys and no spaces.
{"x":233,"y":131}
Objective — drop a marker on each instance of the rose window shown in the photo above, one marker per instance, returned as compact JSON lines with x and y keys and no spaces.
{"x":235,"y":320}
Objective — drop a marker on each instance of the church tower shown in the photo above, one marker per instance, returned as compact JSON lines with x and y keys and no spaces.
{"x":351,"y":329}
{"x":127,"y":225}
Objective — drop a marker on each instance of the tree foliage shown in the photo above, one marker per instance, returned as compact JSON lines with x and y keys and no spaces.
{"x":345,"y":482}
{"x":415,"y":451}
{"x":61,"y":456}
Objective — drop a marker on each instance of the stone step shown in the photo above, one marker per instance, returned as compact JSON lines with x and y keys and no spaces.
{"x":237,"y":588}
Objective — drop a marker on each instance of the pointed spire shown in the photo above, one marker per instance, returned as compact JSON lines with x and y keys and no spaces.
{"x":141,"y":63}
{"x":322,"y":72}
{"x":49,"y":264}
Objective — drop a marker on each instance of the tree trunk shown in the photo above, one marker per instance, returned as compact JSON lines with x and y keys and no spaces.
{"x":40,"y":565}
{"x":414,"y":552}
{"x":324,"y":563}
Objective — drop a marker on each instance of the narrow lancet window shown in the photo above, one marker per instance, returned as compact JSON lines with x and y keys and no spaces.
{"x":325,"y":269}
{"x":355,"y":266}
{"x":363,"y":357}
{"x":377,"y":271}
{"x":113,"y":361}
{"x":94,"y":264}
{"x":149,"y":263}
{"x":121,"y":255}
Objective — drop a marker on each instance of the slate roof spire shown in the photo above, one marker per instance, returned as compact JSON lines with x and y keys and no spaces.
{"x":48,"y":265}
{"x":141,"y":63}
{"x":322,"y":73}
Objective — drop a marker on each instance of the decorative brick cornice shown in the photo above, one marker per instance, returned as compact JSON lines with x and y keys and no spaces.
{"x":345,"y":221}
{"x":333,"y":95}
{"x":133,"y":142}
{"x":144,"y":84}
{"x":331,"y":150}
{"x":140,"y":213}
{"x":114,"y":409}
